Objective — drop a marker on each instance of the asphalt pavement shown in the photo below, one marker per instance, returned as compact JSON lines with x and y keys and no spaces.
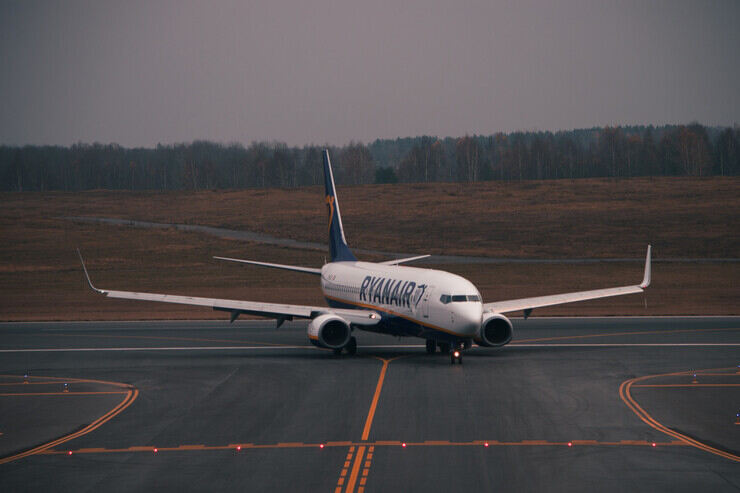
{"x":572,"y":404}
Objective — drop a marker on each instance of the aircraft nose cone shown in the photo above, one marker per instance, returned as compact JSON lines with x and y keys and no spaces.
{"x":470,"y":319}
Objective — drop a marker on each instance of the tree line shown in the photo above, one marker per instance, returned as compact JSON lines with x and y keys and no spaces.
{"x":675,"y":150}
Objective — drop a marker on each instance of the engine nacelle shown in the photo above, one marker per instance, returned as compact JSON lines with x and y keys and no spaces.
{"x":329,"y":331}
{"x":495,"y":330}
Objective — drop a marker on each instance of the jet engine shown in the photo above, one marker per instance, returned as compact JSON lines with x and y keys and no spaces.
{"x":329,"y":331}
{"x":495,"y":330}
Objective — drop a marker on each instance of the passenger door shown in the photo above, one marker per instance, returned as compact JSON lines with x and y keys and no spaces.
{"x":425,"y":301}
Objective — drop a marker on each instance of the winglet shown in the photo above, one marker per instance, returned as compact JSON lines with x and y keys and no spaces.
{"x":646,"y":279}
{"x":87,"y":276}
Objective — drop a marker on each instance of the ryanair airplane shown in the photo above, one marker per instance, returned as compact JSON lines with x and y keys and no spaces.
{"x":443,"y":308}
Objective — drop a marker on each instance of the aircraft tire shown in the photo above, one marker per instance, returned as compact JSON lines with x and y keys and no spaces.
{"x":352,"y":346}
{"x":431,"y":346}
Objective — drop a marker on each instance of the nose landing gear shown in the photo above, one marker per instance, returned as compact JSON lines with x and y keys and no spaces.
{"x":455,"y":351}
{"x":456,"y":356}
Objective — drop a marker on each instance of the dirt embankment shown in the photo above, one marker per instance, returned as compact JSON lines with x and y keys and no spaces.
{"x":40,"y":278}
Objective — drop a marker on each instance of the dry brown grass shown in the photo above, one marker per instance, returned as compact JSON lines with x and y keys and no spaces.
{"x":40,"y":277}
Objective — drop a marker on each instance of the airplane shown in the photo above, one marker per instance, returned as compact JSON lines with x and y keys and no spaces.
{"x":388,"y":298}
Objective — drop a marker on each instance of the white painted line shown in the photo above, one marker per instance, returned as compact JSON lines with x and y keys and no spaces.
{"x":389,"y":346}
{"x":618,"y":344}
{"x":179,"y":348}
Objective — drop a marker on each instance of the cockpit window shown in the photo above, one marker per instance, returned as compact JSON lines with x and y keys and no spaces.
{"x":456,"y":298}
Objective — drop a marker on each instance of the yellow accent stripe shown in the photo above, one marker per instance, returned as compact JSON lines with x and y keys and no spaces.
{"x":391,"y":312}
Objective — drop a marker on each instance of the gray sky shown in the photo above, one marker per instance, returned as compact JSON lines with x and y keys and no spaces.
{"x":324,"y":71}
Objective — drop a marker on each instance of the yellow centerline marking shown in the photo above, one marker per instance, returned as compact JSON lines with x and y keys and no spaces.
{"x":368,"y":446}
{"x":365,"y":434}
{"x":51,"y":382}
{"x":626,"y":396}
{"x":131,"y":395}
{"x":688,"y":385}
{"x":355,"y":469}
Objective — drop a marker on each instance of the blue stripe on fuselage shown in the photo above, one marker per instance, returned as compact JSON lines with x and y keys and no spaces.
{"x":394,"y":325}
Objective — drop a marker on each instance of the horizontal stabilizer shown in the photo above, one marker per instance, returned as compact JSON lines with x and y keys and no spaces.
{"x":295,"y":268}
{"x":403,"y":260}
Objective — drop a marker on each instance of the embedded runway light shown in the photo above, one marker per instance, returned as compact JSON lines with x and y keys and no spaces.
{"x":403,"y":445}
{"x":238,"y":448}
{"x":156,"y":450}
{"x":570,"y":444}
{"x":66,"y":387}
{"x":321,"y":446}
{"x":694,"y":381}
{"x":654,"y":444}
{"x":69,"y":453}
{"x":485,"y":444}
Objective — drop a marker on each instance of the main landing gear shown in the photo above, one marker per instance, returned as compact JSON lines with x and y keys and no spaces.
{"x":351,"y":347}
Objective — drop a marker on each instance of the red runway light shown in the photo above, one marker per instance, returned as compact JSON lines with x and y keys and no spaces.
{"x":486,"y":444}
{"x":570,"y":444}
{"x":654,"y":444}
{"x":156,"y":450}
{"x":69,"y":453}
{"x":403,"y":445}
{"x":238,"y":448}
{"x":321,"y":446}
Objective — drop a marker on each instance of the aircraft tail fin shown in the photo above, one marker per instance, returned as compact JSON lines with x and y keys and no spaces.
{"x":337,"y":242}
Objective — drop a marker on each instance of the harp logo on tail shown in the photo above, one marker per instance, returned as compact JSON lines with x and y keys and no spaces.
{"x":330,"y":205}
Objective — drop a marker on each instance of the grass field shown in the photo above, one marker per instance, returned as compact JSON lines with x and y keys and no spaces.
{"x":40,"y":277}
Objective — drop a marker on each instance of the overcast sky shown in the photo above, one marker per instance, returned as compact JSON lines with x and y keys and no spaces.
{"x":321,"y":71}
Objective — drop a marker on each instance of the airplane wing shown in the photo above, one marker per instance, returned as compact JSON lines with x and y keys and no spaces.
{"x":403,"y":260}
{"x":270,"y":310}
{"x":528,"y":304}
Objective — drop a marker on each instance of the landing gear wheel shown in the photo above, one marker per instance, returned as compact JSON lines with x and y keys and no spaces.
{"x":444,"y":347}
{"x":431,"y":346}
{"x":352,"y":346}
{"x":337,"y":351}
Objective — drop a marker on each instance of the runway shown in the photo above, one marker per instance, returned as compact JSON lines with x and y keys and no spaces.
{"x":573,"y":404}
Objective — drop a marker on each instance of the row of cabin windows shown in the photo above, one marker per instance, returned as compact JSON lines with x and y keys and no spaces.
{"x":343,"y":289}
{"x":446,"y":298}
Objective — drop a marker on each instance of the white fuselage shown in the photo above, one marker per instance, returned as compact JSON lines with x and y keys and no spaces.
{"x":432,"y":300}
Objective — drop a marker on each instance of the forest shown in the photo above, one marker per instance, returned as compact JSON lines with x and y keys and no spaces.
{"x":623,"y":151}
